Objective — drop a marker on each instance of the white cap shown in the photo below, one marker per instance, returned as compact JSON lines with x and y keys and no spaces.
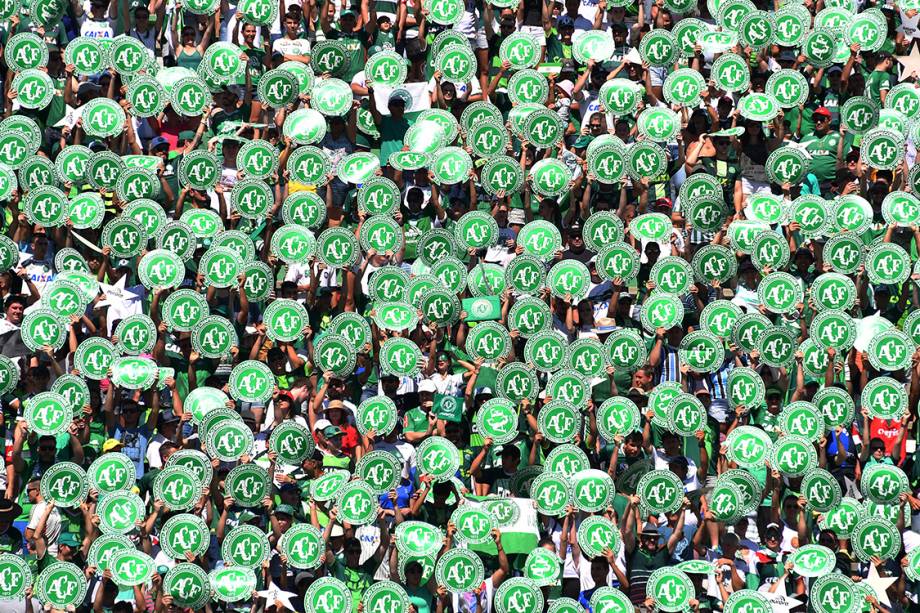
{"x":321,"y":424}
{"x":427,"y":385}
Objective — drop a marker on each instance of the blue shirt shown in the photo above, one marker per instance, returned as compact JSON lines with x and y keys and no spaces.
{"x":135,"y":444}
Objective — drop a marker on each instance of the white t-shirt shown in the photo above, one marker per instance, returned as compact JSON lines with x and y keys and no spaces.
{"x":450,"y":384}
{"x":287,"y":46}
{"x":464,"y":90}
{"x":52,"y":526}
{"x":103,"y":28}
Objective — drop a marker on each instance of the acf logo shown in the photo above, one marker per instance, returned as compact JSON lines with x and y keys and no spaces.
{"x":111,"y":475}
{"x":190,"y":97}
{"x":551,"y":178}
{"x":328,"y":599}
{"x":338,"y":248}
{"x":303,"y":547}
{"x":334,"y":357}
{"x":624,"y":351}
{"x":378,"y":472}
{"x":46,"y":207}
{"x":403,"y":358}
{"x":749,"y":448}
{"x":11,"y":579}
{"x":503,"y":177}
{"x":537,"y":242}
{"x":891,"y":350}
{"x":455,"y":63}
{"x":201,"y":171}
{"x":188,"y":538}
{"x":65,"y":486}
{"x":787,"y":167}
{"x":125,"y":239}
{"x":459,"y":572}
{"x":884,"y":486}
{"x":188,"y":587}
{"x":355,"y":503}
{"x":875,"y":539}
{"x":518,"y":385}
{"x":661,"y":493}
{"x":519,"y":599}
{"x":102,"y":119}
{"x":177,"y":488}
{"x":645,"y":162}
{"x":570,"y":282}
{"x":819,"y":492}
{"x":279,"y":89}
{"x":128,"y":58}
{"x":488,"y":138}
{"x":609,"y":164}
{"x":61,"y":587}
{"x":521,"y":52}
{"x":889,"y":264}
{"x":792,"y":458}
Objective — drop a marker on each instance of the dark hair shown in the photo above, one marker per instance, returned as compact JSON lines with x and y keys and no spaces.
{"x":12,"y":298}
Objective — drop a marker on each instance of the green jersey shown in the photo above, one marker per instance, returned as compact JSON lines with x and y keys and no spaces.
{"x":823,"y":150}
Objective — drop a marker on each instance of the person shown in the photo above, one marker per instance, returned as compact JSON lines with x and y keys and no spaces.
{"x":666,"y":327}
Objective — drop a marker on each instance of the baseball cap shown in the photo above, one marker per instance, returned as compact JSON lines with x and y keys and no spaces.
{"x":86,"y":88}
{"x":321,"y":424}
{"x":158,"y":141}
{"x":331,"y":431}
{"x":284,"y":509}
{"x":68,"y":538}
{"x":427,"y":385}
{"x":822,"y":111}
{"x":111,"y":444}
{"x":565,"y":22}
{"x":348,"y":13}
{"x":400,"y":96}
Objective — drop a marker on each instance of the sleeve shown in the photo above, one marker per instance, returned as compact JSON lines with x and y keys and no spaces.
{"x":37,"y":510}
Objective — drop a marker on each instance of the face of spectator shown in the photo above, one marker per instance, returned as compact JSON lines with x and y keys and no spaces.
{"x":292,"y":27}
{"x":40,"y":246}
{"x":14,"y":313}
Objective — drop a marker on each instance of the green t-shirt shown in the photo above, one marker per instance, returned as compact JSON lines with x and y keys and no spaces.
{"x":823,"y":150}
{"x":392,"y":133}
{"x":416,"y":420}
{"x":357,"y":580}
{"x":877,"y":82}
{"x":356,"y":44}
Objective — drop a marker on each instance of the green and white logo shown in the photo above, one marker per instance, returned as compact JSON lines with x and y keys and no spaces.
{"x":285,"y":320}
{"x":357,"y":503}
{"x":875,"y":537}
{"x":294,"y":244}
{"x":780,"y":292}
{"x":670,"y":589}
{"x":62,"y":584}
{"x":111,"y":472}
{"x":672,"y":274}
{"x":731,"y":73}
{"x":119,"y":511}
{"x":177,"y":487}
{"x":247,"y":485}
{"x":660,"y":491}
{"x":883,"y":483}
{"x":236,"y":583}
{"x":186,"y":532}
{"x":400,"y":357}
{"x":748,"y":447}
{"x":702,"y":351}
{"x":550,"y":177}
{"x":488,"y":340}
{"x":793,"y":456}
{"x":620,"y":96}
{"x":229,"y":440}
{"x":337,"y":247}
{"x":789,"y":87}
{"x":15,"y":577}
{"x":787,"y":165}
{"x":887,"y":263}
{"x":438,"y":457}
{"x":65,"y":483}
{"x":890,"y":350}
{"x":625,"y":349}
{"x":686,"y":415}
{"x":188,"y":585}
{"x":302,"y":545}
{"x":48,"y":413}
{"x":459,"y":570}
{"x":597,"y":534}
{"x":618,"y":261}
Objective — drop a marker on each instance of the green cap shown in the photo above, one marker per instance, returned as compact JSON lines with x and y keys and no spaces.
{"x":286,"y":509}
{"x":68,"y":538}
